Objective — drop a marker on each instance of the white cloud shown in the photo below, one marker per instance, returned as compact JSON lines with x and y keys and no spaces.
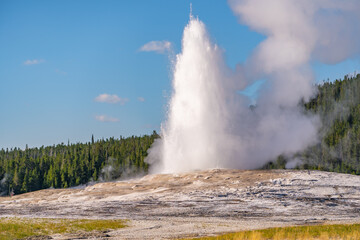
{"x":33,"y":62}
{"x":141,"y":99}
{"x":60,"y":72}
{"x":156,"y":46}
{"x":104,"y":118}
{"x":108,"y":98}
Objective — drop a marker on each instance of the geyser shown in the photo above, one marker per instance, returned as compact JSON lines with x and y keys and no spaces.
{"x":198,"y":112}
{"x":209,"y":124}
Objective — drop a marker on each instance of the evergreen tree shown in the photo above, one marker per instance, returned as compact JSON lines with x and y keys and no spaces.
{"x":68,"y":165}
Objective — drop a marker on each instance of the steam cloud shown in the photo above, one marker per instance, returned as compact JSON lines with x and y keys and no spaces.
{"x":209,"y":124}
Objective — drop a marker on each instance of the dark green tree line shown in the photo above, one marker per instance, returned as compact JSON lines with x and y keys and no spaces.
{"x":63,"y":166}
{"x":338,"y":106}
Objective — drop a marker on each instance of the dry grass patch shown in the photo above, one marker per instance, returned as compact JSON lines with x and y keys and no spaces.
{"x":17,"y":228}
{"x":319,"y":232}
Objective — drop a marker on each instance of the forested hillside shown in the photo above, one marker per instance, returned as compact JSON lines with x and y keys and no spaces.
{"x":338,"y":104}
{"x":69,"y":165}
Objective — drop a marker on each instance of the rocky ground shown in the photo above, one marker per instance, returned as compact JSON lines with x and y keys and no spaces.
{"x":200,"y":203}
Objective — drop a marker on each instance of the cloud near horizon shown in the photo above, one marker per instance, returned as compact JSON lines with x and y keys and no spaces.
{"x":141,"y":99}
{"x":33,"y":62}
{"x":104,"y":118}
{"x":156,"y":46}
{"x":108,"y":98}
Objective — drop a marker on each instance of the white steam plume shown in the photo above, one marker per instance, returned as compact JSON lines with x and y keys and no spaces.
{"x":210,"y":125}
{"x":298,"y":32}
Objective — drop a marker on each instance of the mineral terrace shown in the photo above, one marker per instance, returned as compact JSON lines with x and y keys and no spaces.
{"x":200,"y":203}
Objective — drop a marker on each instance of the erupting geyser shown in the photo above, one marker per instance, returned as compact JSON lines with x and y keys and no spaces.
{"x":209,"y":124}
{"x":198,"y":113}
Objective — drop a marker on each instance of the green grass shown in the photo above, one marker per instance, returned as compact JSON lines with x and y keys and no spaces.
{"x":321,"y":232}
{"x":17,"y":228}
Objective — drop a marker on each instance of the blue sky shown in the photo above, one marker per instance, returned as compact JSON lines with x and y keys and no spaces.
{"x":70,"y":69}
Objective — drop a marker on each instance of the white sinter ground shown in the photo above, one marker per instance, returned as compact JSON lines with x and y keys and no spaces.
{"x":202,"y":202}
